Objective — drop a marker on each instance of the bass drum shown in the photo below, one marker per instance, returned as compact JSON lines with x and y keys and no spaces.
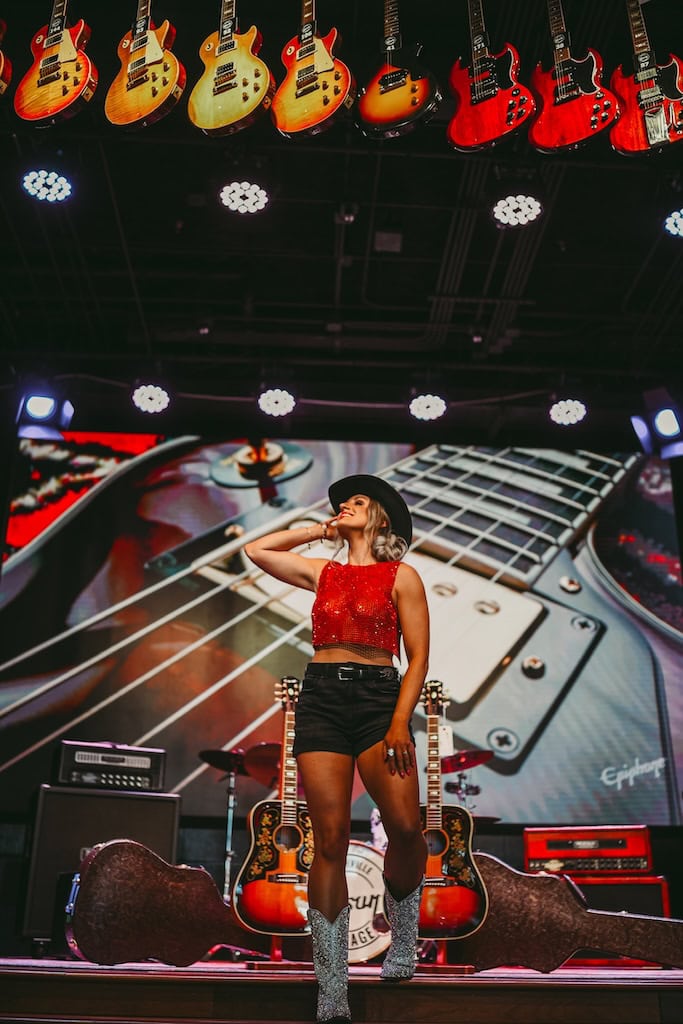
{"x":369,"y":933}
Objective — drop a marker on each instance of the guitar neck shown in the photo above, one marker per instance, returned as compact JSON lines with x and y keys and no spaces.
{"x":434,"y":819}
{"x":392,"y":30}
{"x":57,"y":22}
{"x":643,"y":54}
{"x":143,"y":19}
{"x":478,"y":34}
{"x":308,"y":22}
{"x":558,"y":32}
{"x":228,"y":22}
{"x":288,"y":772}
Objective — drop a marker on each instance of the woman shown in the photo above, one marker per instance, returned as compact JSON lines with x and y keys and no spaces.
{"x":355,"y":709}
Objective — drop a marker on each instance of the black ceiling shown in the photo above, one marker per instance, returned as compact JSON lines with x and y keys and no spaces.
{"x":143,"y":267}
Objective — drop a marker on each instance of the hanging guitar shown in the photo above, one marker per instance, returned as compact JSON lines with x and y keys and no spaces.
{"x":490,"y":102}
{"x":270,"y":891}
{"x":236,"y":86}
{"x":317,"y":87}
{"x":61,"y":78}
{"x":651,"y":99}
{"x":5,"y":64}
{"x":573,"y":105}
{"x":401,"y":94}
{"x":454,"y":900}
{"x":151,"y":79}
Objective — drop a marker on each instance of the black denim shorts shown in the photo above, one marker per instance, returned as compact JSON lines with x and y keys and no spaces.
{"x":344,"y":708}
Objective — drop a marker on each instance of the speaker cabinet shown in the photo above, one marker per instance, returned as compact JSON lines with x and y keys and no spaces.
{"x":69,"y":822}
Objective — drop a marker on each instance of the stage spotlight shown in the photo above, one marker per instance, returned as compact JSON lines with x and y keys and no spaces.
{"x":43,"y":412}
{"x":47,"y":186}
{"x":427,"y":407}
{"x":514,"y":211}
{"x":244,"y":197}
{"x":658,"y":428}
{"x":567,"y":412}
{"x":674,"y":223}
{"x":150,"y":398}
{"x":276,"y":401}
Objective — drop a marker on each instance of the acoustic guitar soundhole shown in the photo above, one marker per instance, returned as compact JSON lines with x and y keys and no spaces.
{"x":437,"y":842}
{"x":287,"y":837}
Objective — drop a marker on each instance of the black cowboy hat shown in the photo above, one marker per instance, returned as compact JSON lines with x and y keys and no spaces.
{"x":382,"y":491}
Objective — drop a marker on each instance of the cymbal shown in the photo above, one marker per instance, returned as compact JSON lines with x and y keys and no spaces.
{"x":225,"y":760}
{"x":464,"y":759}
{"x":262,"y":762}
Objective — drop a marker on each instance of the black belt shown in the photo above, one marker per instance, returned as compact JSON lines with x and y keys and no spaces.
{"x":333,"y":669}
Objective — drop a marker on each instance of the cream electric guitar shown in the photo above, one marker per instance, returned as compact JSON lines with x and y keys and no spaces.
{"x":236,"y":86}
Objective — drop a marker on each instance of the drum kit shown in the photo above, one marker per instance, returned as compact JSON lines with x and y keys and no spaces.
{"x":369,"y":934}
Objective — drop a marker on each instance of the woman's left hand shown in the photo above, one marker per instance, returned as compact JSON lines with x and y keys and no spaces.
{"x":399,"y":752}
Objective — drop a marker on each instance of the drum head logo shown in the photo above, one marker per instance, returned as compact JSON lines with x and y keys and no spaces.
{"x":369,"y":933}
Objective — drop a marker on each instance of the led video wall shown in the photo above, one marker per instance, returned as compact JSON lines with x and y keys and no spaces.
{"x":129,"y":615}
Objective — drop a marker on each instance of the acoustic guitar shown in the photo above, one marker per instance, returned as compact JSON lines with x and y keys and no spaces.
{"x":651,"y":98}
{"x":490,"y":101}
{"x":317,"y":87}
{"x":454,"y":901}
{"x":151,"y":79}
{"x":236,"y":86}
{"x":270,"y":893}
{"x":573,"y":105}
{"x":61,"y":78}
{"x":401,"y":93}
{"x":127,"y":904}
{"x":5,"y":64}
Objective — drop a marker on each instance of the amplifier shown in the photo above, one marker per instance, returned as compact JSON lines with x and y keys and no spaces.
{"x":613,"y":849}
{"x":110,"y":766}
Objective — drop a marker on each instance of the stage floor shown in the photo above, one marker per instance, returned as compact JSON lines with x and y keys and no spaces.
{"x":47,"y":991}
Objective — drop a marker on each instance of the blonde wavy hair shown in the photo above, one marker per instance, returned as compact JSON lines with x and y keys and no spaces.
{"x":386,"y":546}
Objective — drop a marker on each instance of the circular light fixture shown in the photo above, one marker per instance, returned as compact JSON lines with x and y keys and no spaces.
{"x":567,"y":412}
{"x":515,"y":211}
{"x":666,"y":423}
{"x":244,"y":197}
{"x":40,"y":407}
{"x":48,"y":186}
{"x":150,"y":398}
{"x":276,"y":402}
{"x":674,"y":223}
{"x":427,"y":407}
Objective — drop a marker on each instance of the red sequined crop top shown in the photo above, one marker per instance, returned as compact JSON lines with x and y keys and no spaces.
{"x":353,"y":606}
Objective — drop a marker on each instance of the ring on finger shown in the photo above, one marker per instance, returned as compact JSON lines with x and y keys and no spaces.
{"x":391,"y":752}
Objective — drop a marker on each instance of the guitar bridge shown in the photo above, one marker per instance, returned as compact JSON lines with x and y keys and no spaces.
{"x":656,"y":126}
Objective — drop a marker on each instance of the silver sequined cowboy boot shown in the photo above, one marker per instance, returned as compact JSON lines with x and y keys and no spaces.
{"x":399,"y":963}
{"x":330,"y":940}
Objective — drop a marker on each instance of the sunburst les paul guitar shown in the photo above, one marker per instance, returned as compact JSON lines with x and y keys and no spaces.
{"x":61,"y":78}
{"x":490,"y":101}
{"x":151,"y":79}
{"x":270,"y":891}
{"x":5,"y":64}
{"x":401,"y":94}
{"x":573,"y":105}
{"x":651,"y":99}
{"x":236,"y":86}
{"x":454,"y":900}
{"x":317,"y":87}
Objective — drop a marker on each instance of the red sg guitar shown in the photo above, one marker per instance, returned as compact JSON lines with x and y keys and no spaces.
{"x":651,"y":98}
{"x":236,"y":87}
{"x":490,"y":102}
{"x":270,"y":893}
{"x":61,"y":79}
{"x":454,"y":899}
{"x":5,"y":65}
{"x":573,"y":106}
{"x":317,"y":86}
{"x":401,"y":93}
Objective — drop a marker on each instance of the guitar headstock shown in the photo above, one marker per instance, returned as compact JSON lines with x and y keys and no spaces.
{"x":433,"y":697}
{"x":287,"y":692}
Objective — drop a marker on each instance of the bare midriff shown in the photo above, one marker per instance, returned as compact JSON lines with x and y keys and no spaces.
{"x":353,"y":652}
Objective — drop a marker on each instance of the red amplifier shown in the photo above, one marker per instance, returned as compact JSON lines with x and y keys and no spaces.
{"x":612,"y":849}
